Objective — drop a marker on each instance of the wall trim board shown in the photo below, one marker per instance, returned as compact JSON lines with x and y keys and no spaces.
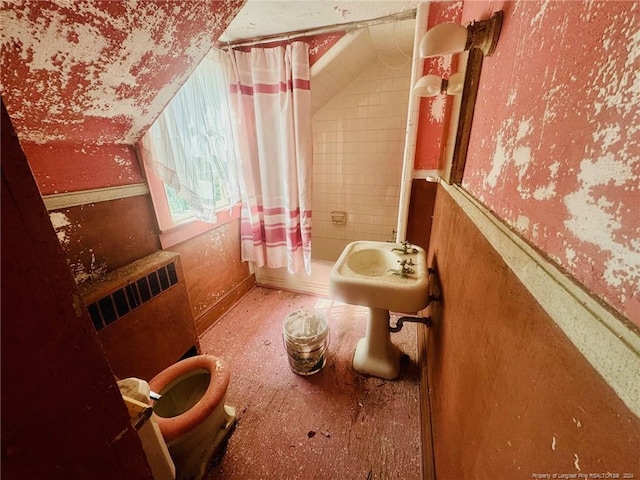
{"x":611,"y":346}
{"x":85,"y":197}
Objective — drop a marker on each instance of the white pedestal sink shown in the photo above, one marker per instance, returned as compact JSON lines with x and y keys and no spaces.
{"x":382,"y":276}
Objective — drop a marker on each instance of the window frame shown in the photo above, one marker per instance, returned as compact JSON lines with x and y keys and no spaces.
{"x":172,"y":233}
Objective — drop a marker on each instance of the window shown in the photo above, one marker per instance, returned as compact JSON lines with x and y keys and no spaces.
{"x":190,"y":155}
{"x":176,"y":219}
{"x":179,"y":209}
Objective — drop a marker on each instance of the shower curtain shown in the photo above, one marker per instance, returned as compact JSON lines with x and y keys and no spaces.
{"x":270,"y":94}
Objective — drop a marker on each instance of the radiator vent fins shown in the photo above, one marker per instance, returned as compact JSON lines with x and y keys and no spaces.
{"x":117,"y":304}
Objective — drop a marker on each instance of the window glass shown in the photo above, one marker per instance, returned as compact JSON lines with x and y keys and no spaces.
{"x":178,"y":206}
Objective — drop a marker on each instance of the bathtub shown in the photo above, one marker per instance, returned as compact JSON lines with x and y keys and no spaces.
{"x":323,"y":256}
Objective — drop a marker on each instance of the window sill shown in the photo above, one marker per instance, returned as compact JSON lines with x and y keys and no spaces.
{"x":185,"y":231}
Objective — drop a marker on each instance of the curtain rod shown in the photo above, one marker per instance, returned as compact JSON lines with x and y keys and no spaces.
{"x":396,"y":17}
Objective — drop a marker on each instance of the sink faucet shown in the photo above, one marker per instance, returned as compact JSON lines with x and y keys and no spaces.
{"x":405,"y":249}
{"x":405,"y":268}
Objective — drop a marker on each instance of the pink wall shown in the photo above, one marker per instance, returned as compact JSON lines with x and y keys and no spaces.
{"x":555,"y":142}
{"x":61,"y":167}
{"x":100,"y":72}
{"x":433,"y":116}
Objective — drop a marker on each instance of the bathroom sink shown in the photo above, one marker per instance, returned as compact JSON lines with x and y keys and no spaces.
{"x":370,"y":274}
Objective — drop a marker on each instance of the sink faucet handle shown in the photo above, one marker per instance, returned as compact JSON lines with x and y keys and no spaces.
{"x":408,"y":248}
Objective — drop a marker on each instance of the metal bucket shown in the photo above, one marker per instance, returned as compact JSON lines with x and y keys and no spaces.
{"x":306,"y":338}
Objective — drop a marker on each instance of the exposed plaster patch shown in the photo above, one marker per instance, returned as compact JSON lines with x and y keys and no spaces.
{"x":522,"y":223}
{"x":570,"y":255}
{"x":60,"y":224}
{"x":95,"y":272}
{"x":607,"y":136}
{"x":551,"y":106}
{"x":535,"y":231}
{"x":524,"y":129}
{"x":126,"y":166}
{"x":437,"y":109}
{"x":453,"y":9}
{"x":439,"y":66}
{"x":618,"y":86}
{"x":593,"y":220}
{"x":553,"y":443}
{"x":576,"y":462}
{"x":537,"y":18}
{"x":510,"y":149}
{"x":500,"y":159}
{"x":545,"y":193}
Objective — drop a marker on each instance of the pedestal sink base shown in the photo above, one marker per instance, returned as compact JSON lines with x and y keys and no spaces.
{"x":375,"y":354}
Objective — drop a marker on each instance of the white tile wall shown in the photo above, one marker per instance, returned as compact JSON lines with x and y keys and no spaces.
{"x":358,"y":143}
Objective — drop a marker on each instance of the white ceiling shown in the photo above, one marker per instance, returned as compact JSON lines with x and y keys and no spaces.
{"x":259,"y":18}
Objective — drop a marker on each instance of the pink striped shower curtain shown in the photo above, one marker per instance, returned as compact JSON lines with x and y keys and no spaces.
{"x":271,"y":97}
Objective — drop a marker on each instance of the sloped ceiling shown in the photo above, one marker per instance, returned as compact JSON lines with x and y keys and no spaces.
{"x":392,"y":43}
{"x":100,"y":71}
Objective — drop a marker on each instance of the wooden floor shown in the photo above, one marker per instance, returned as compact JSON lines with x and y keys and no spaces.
{"x":335,"y":424}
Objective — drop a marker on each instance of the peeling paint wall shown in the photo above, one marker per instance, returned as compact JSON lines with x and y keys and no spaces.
{"x":101,"y":237}
{"x":433,"y":116}
{"x":101,"y":71}
{"x":555,"y":142}
{"x":82,"y":81}
{"x":63,"y":167}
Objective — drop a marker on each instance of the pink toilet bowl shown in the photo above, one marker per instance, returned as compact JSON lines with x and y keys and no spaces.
{"x":191,"y":412}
